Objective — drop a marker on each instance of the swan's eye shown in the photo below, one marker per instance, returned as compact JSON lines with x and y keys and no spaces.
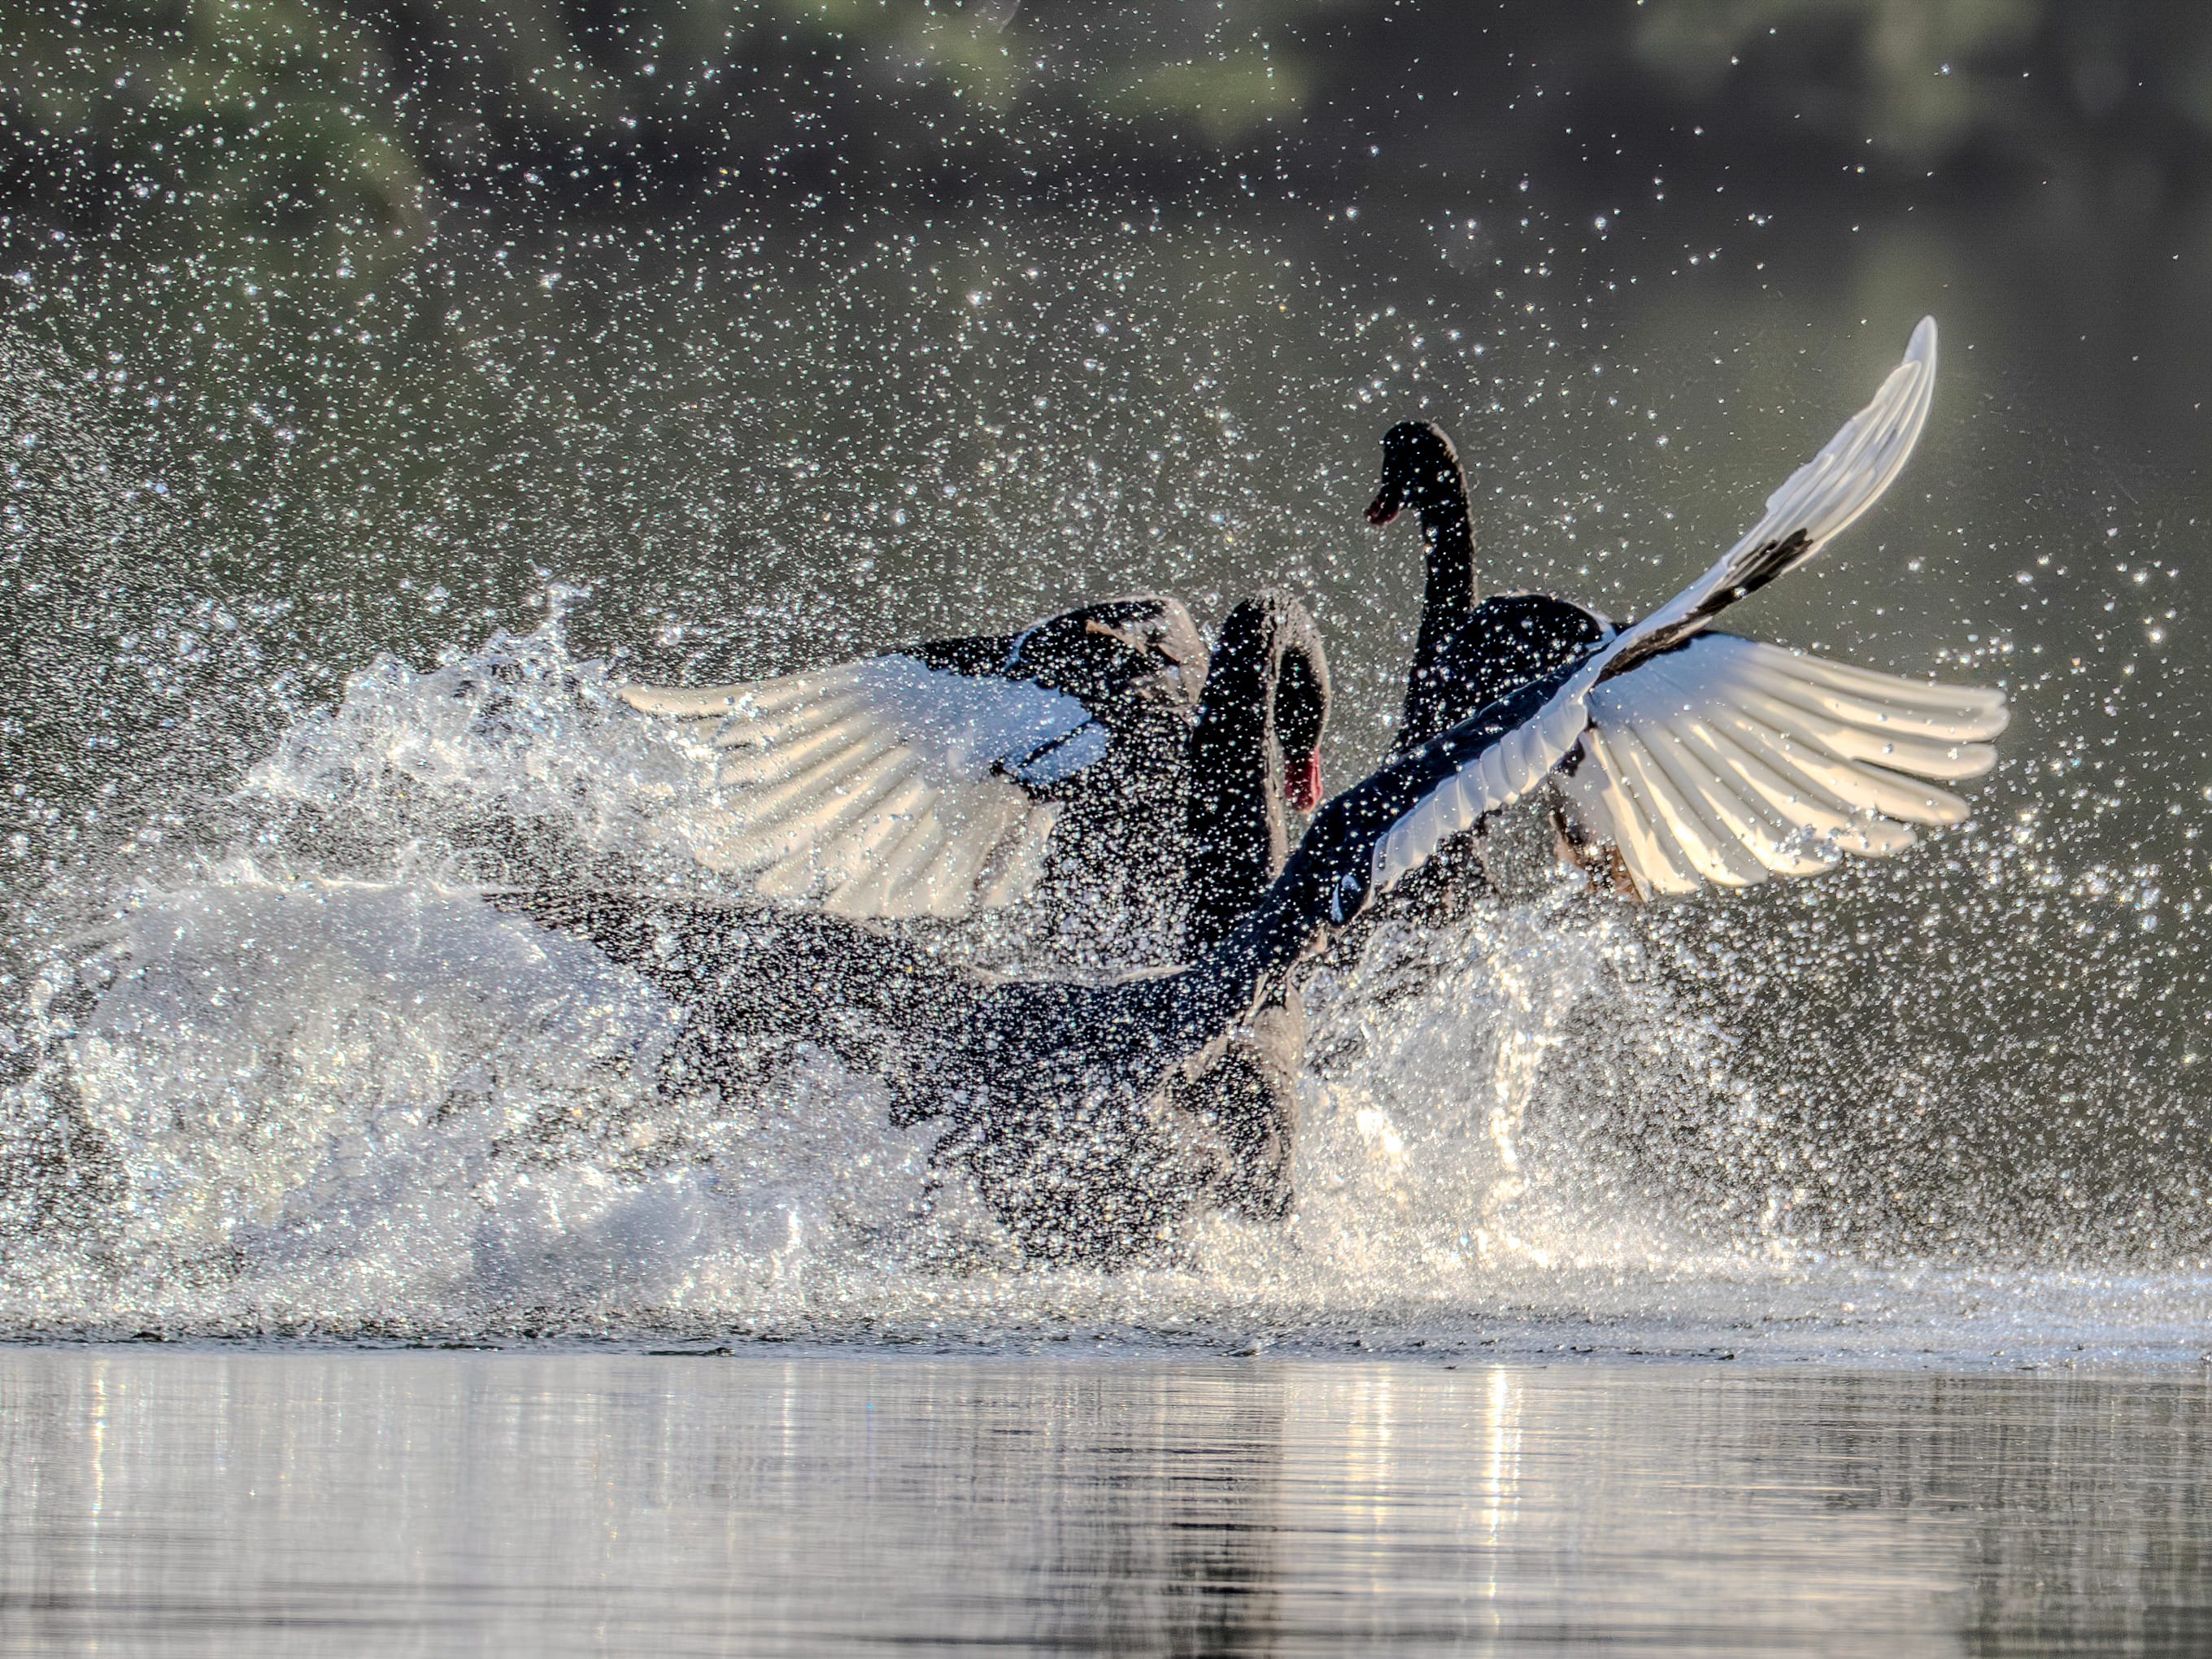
{"x":1344,"y":904}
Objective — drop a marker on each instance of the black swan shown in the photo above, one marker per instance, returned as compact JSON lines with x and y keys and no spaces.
{"x":1220,"y":789}
{"x":964,"y":775}
{"x":1467,"y":653}
{"x":1067,"y":1102}
{"x":1643,"y":812}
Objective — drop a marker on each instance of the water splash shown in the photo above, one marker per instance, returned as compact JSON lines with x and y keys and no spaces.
{"x":311,"y":1080}
{"x":296,"y":1076}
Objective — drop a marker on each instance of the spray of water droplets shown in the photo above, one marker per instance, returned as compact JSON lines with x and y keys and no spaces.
{"x":298,"y":678}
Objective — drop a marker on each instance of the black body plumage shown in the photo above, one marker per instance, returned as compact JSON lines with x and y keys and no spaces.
{"x":1096,"y":1118}
{"x":1093,"y":1116}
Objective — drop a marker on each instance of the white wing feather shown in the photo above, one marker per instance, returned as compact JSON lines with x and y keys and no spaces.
{"x":1830,"y":492}
{"x":885,"y":787}
{"x":1730,"y":760}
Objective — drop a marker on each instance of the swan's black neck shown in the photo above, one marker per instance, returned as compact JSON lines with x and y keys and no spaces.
{"x":1448,"y":534}
{"x":1265,"y":700}
{"x":1258,"y":956}
{"x":1421,"y":470}
{"x":1447,"y":599}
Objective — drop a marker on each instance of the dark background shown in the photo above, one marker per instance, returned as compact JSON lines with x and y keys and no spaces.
{"x":285,"y":134}
{"x":280,"y":114}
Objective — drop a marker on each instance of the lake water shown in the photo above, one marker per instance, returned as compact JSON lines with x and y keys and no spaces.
{"x":582,"y":1502}
{"x":1819,"y":1269}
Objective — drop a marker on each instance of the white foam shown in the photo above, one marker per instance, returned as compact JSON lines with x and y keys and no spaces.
{"x":340,"y":1105}
{"x":307,"y":1081}
{"x":517,"y":734}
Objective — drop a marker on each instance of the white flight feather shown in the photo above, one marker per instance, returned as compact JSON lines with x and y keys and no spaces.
{"x":885,"y":787}
{"x":1727,"y":746}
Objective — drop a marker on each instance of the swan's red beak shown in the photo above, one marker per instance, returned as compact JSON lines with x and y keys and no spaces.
{"x":1302,"y":782}
{"x":1384,"y":508}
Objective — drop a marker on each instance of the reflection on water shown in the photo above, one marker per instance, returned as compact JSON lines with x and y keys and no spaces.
{"x":431,"y":1503}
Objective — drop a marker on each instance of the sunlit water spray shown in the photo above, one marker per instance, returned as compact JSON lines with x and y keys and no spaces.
{"x":310,"y":1082}
{"x":323,"y":1084}
{"x":273,"y":1065}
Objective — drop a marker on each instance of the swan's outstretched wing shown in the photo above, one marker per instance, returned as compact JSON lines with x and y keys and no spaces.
{"x":926,"y":783}
{"x":1636,"y":709}
{"x":1820,"y":499}
{"x":885,"y":787}
{"x":1728,"y":761}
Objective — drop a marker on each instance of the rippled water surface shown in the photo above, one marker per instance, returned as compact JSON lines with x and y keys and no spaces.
{"x":573,"y":1502}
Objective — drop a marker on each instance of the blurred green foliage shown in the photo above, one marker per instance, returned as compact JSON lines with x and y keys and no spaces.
{"x":311,"y":111}
{"x":302,"y":115}
{"x":2038,"y":84}
{"x":283,"y":104}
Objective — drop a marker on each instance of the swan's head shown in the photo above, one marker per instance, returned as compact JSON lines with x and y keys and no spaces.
{"x":1420,"y":470}
{"x":1146,"y":648}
